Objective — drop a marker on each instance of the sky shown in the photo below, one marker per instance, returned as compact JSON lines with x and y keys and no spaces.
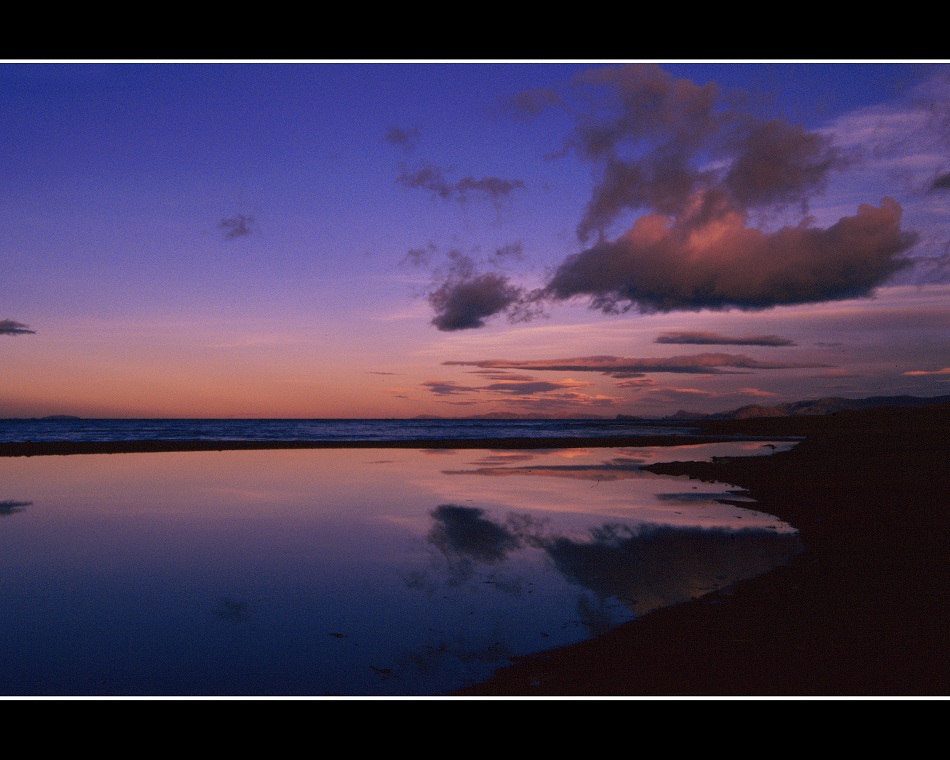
{"x":394,"y":238}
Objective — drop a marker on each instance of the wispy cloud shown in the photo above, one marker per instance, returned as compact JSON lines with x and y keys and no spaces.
{"x":625,"y":366}
{"x":431,"y":178}
{"x":524,"y":386}
{"x":924,"y":372}
{"x":700,"y":338}
{"x":12,"y":327}
{"x":236,"y":226}
{"x":406,"y":139}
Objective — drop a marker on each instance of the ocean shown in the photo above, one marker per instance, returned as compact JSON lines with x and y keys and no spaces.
{"x":72,"y":429}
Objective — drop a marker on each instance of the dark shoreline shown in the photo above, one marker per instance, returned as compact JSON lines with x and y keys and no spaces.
{"x":862,"y":613}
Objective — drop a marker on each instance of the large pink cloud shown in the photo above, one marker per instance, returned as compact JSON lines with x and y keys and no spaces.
{"x":665,"y":264}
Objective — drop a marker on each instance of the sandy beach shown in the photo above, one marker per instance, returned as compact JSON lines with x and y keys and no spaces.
{"x":861,"y":613}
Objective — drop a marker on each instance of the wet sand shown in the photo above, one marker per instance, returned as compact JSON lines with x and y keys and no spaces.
{"x":863,"y":612}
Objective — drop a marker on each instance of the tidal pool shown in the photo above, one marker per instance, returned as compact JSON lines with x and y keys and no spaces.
{"x":347,"y":572}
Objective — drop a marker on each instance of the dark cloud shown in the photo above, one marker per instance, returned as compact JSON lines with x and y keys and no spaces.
{"x":11,"y":327}
{"x":430,"y":177}
{"x":625,"y":366}
{"x":942,"y":182}
{"x":509,"y":387}
{"x":446,"y":387}
{"x":662,"y":264}
{"x":10,"y":507}
{"x":236,"y":226}
{"x":532,"y":102}
{"x":503,"y":375}
{"x":509,"y":251}
{"x":779,"y":163}
{"x":467,"y":298}
{"x":463,"y":297}
{"x":528,"y":387}
{"x":421,"y":257}
{"x":462,"y":304}
{"x":404,"y":138}
{"x":715,"y":339}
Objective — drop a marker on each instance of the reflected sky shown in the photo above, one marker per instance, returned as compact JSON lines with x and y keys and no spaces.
{"x":347,"y":572}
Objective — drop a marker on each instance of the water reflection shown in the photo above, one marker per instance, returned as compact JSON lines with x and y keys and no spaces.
{"x":345,"y":572}
{"x":642,"y":568}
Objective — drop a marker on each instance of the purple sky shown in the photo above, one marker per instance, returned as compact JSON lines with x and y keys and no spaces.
{"x":388,"y":239}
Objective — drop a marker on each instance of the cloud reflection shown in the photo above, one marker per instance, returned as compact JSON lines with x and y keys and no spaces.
{"x":640,"y":568}
{"x":464,"y":532}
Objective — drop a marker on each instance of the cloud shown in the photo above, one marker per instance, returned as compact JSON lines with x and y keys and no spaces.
{"x":532,"y":102}
{"x":922,"y":372}
{"x":529,"y":387}
{"x":236,"y":226}
{"x":447,"y":387}
{"x":656,"y":141}
{"x":624,"y":366}
{"x":524,"y":396}
{"x":404,"y":138}
{"x":942,"y":182}
{"x":463,"y":297}
{"x":466,"y":302}
{"x":509,"y":251}
{"x":663,"y":264}
{"x":430,"y":177}
{"x":11,"y":507}
{"x":466,"y":298}
{"x":11,"y":327}
{"x":716,"y":339}
{"x":698,"y":182}
{"x":516,"y":387}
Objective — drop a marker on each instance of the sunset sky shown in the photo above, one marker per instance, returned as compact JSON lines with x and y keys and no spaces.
{"x":388,"y":239}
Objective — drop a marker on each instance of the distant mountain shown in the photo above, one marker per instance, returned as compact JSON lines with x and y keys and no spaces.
{"x":818,"y":406}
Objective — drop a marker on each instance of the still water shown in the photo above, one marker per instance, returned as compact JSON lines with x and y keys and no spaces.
{"x":350,"y":572}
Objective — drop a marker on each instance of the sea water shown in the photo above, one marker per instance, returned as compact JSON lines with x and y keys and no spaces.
{"x":82,"y":429}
